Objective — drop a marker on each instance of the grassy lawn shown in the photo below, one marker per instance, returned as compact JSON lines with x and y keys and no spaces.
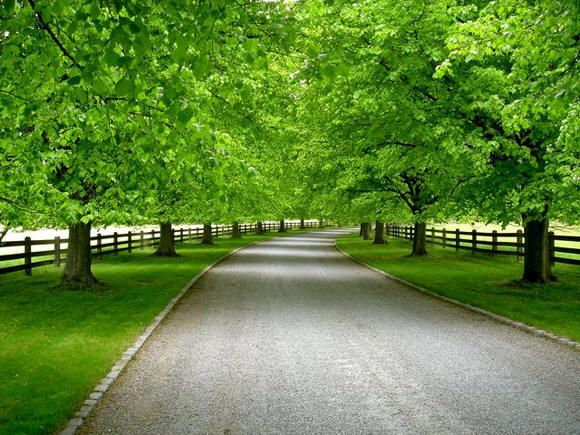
{"x":56,"y":345}
{"x":481,"y":281}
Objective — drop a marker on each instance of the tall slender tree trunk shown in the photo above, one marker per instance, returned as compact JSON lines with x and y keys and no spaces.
{"x":259,"y":228}
{"x":320,"y":223}
{"x":302,"y":226}
{"x":282,"y":228}
{"x":419,"y":239}
{"x":366,"y":231}
{"x":236,"y":233}
{"x":207,"y":238}
{"x":537,"y":267}
{"x":77,"y":270}
{"x":361,"y":229}
{"x":166,"y":246}
{"x":379,"y":233}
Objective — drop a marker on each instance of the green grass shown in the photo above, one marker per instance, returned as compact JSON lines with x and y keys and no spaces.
{"x":55,"y":345}
{"x":480,"y":280}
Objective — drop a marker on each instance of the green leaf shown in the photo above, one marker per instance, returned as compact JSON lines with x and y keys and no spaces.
{"x":75,"y":80}
{"x":125,"y":86}
{"x":200,"y":65}
{"x":185,"y":115}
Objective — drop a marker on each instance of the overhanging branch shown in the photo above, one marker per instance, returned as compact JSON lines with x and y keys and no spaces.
{"x":44,"y":25}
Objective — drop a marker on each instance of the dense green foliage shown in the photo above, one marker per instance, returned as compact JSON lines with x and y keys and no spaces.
{"x":133,"y":111}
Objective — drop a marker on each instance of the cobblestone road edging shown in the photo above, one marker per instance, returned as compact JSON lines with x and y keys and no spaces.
{"x":89,"y":404}
{"x":519,"y":325}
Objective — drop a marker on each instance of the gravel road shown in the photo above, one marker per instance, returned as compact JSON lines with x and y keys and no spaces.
{"x":290,"y":336}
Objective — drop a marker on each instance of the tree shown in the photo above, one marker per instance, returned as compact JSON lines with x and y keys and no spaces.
{"x":95,"y":93}
{"x":516,"y":65}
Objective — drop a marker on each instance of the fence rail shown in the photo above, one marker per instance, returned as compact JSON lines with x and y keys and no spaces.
{"x":494,"y":242}
{"x":112,"y":244}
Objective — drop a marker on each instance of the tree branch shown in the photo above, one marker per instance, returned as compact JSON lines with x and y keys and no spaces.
{"x":13,"y":95}
{"x":45,"y":26}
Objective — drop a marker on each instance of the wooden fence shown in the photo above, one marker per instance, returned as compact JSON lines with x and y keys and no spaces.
{"x":494,"y":242}
{"x":114,"y":243}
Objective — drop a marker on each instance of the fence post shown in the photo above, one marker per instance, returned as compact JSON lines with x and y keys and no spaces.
{"x":172,"y":235}
{"x":142,"y":240}
{"x":129,"y":242}
{"x":153,"y":238}
{"x":181,"y":234}
{"x":99,"y":245}
{"x":473,"y":241}
{"x":444,"y":237}
{"x":189,"y":234}
{"x":494,"y":243}
{"x":520,"y":247}
{"x":115,"y":243}
{"x":551,"y":246}
{"x":432,"y":234}
{"x":457,"y":239}
{"x":28,"y":256}
{"x":57,"y":251}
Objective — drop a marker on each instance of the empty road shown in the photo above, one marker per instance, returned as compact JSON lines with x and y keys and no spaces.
{"x":290,"y":336}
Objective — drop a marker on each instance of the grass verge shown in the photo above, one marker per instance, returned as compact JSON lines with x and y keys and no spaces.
{"x":482,"y":281}
{"x":55,"y":345}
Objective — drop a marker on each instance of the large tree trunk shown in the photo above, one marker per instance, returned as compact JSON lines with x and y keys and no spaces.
{"x":366,"y":231}
{"x":207,"y":238}
{"x":537,"y":267}
{"x":236,"y":233}
{"x":302,"y":226}
{"x":166,"y":246}
{"x":379,"y":233}
{"x":77,"y":270}
{"x":259,"y":228}
{"x":419,"y":239}
{"x":282,"y":228}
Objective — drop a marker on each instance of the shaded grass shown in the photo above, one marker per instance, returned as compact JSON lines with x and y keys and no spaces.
{"x":55,"y":345}
{"x":480,"y":280}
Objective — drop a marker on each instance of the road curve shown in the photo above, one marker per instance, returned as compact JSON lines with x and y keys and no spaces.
{"x":290,"y":336}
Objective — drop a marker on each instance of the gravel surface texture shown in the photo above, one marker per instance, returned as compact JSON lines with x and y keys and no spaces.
{"x":290,"y":336}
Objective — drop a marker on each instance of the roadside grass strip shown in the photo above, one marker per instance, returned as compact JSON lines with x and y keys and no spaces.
{"x":56,"y":345}
{"x":481,"y":281}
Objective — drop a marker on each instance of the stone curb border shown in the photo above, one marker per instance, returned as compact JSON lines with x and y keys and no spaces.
{"x":519,"y":325}
{"x":95,"y":397}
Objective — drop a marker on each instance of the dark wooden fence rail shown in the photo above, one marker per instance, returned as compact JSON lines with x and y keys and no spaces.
{"x":113,"y":244}
{"x":493,"y":242}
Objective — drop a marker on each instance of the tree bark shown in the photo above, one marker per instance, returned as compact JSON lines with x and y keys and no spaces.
{"x":302,"y":226}
{"x":419,"y":239}
{"x":207,"y":238}
{"x":77,"y":270}
{"x":320,"y":223}
{"x":166,"y":246}
{"x":366,"y":231}
{"x":259,"y":228}
{"x":379,"y":233}
{"x":282,"y":228}
{"x":361,"y":230}
{"x":537,"y":267}
{"x":236,"y":233}
{"x":3,"y":233}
